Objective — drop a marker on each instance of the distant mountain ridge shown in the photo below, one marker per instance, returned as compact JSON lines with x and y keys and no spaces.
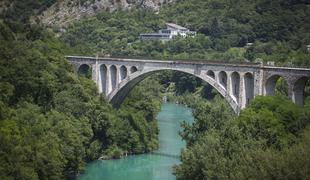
{"x":63,"y":12}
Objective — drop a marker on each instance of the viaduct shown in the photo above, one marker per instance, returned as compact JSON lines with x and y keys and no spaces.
{"x":238,"y":83}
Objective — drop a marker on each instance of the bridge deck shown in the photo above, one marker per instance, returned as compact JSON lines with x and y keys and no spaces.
{"x":187,"y":61}
{"x":184,"y":61}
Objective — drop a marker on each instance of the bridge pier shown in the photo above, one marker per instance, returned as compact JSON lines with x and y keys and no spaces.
{"x":242,"y":95}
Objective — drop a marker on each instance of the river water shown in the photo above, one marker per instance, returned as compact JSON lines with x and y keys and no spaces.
{"x":152,"y":166}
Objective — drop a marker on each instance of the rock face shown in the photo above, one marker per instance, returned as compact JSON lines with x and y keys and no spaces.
{"x":66,"y":11}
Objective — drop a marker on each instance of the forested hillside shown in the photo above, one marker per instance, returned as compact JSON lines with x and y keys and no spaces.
{"x":52,"y":121}
{"x":278,"y":29}
{"x":268,"y":140}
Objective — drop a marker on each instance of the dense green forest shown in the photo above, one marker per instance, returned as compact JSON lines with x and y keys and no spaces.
{"x":278,"y":29}
{"x":53,"y":121}
{"x":268,"y":140}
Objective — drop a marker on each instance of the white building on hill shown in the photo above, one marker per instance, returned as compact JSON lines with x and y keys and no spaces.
{"x":168,"y":33}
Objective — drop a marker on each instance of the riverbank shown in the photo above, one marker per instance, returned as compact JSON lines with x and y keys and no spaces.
{"x":156,"y":165}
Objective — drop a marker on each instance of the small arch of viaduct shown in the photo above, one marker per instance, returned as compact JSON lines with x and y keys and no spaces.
{"x":237,"y":83}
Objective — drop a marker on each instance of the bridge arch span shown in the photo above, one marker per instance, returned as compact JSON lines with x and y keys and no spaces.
{"x":103,"y":78}
{"x":222,"y":77}
{"x":83,"y":69}
{"x":117,"y":96}
{"x":123,"y":72}
{"x":235,"y":85}
{"x":298,"y":92}
{"x":133,"y":69}
{"x":271,"y":82}
{"x":211,"y":74}
{"x":248,"y":87}
{"x":113,"y":78}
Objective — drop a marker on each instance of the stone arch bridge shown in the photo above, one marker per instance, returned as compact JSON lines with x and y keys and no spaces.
{"x":238,"y":83}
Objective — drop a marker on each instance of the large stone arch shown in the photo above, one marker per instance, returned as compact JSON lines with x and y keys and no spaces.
{"x":258,"y":79}
{"x":117,"y":96}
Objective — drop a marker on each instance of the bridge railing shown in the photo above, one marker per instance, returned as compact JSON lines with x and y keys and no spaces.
{"x":210,"y":61}
{"x":172,"y":59}
{"x":217,"y":61}
{"x":193,"y":60}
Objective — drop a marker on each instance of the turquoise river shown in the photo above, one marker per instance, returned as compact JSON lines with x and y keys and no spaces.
{"x":152,"y":166}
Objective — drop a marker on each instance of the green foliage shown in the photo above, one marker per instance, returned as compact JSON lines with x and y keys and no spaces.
{"x":290,"y":163}
{"x":288,"y":113}
{"x":218,"y":113}
{"x":149,"y":94}
{"x":114,"y":152}
{"x":21,"y":11}
{"x":277,"y":29}
{"x":268,"y":140}
{"x":267,"y":126}
{"x":52,"y":121}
